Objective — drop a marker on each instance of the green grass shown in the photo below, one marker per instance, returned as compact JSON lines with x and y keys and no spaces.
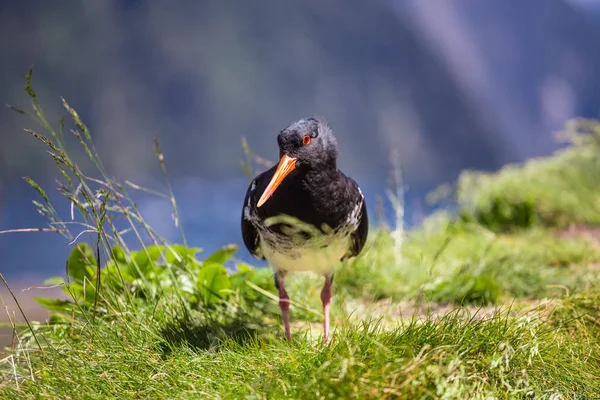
{"x":492,"y":304}
{"x":551,"y":191}
{"x":469,"y":264}
{"x":508,"y":356}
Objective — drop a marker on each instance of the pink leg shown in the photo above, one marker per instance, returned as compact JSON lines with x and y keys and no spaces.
{"x":326,"y":299}
{"x":284,"y":304}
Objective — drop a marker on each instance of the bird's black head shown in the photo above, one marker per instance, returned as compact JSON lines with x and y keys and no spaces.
{"x":306,"y":144}
{"x":309,"y":141}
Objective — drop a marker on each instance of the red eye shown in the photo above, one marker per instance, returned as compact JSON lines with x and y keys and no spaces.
{"x":306,"y":140}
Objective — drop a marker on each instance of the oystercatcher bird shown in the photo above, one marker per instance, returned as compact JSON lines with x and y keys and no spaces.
{"x":304,"y":214}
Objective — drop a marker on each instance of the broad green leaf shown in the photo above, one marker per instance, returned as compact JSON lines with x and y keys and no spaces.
{"x":81,"y":291}
{"x":261,"y":277}
{"x":55,"y":280}
{"x":118,"y":254}
{"x":245,"y":273}
{"x":80,"y":258}
{"x":186,"y":284}
{"x":56,"y":305}
{"x":213,"y":281}
{"x":110,"y":276}
{"x":222,"y":255}
{"x":73,"y":289}
{"x":58,"y":319}
{"x":117,"y":270}
{"x":145,"y":259}
{"x":241,"y":267}
{"x":179,"y":254}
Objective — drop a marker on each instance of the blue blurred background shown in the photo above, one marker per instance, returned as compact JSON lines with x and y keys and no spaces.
{"x":448,"y":85}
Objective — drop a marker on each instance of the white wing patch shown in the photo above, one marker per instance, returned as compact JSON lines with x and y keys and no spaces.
{"x":247,"y":214}
{"x":354,"y":217}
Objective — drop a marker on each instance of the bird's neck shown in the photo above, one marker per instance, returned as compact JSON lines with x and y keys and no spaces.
{"x":321,"y":174}
{"x":324,"y":185}
{"x":330,"y":195}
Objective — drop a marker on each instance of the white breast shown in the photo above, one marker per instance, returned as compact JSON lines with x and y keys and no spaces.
{"x":309,"y":255}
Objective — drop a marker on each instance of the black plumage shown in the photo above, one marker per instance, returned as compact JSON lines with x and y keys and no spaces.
{"x":307,"y":186}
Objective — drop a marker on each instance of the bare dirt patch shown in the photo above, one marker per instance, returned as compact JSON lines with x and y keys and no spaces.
{"x":589,"y":233}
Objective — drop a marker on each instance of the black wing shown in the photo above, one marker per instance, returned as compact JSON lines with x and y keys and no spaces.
{"x":359,"y":236}
{"x":249,"y":232}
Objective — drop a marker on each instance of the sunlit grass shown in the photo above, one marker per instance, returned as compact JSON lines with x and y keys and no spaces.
{"x":481,"y":306}
{"x":129,"y":356}
{"x":468,"y":264}
{"x":551,"y":191}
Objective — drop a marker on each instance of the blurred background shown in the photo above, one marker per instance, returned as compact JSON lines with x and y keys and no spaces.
{"x":448,"y":85}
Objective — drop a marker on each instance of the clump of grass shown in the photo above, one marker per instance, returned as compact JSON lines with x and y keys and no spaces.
{"x":158,"y":322}
{"x":105,"y":277}
{"x":558,"y":190}
{"x":500,"y":245}
{"x":506,"y":356}
{"x":462,"y":263}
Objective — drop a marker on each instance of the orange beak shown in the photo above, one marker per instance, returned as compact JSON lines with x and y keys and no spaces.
{"x":286,"y":165}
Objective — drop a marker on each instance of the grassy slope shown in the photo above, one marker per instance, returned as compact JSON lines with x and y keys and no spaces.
{"x":451,"y":357}
{"x":548,"y":191}
{"x":543,"y":340}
